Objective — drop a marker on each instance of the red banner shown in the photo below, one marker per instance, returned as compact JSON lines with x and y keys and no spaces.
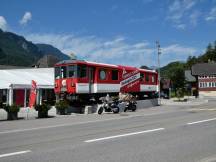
{"x":32,"y":97}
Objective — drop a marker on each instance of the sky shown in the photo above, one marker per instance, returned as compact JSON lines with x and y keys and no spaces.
{"x":115,"y":31}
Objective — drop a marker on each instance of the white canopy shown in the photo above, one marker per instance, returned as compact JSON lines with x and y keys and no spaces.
{"x":21,"y":78}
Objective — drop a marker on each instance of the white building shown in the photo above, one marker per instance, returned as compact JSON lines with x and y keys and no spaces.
{"x":15,"y":85}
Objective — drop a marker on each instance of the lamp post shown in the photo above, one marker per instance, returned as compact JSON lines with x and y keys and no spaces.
{"x":158,"y":52}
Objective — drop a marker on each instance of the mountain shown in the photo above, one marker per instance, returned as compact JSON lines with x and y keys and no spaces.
{"x":49,"y":49}
{"x":15,"y":50}
{"x":169,"y":68}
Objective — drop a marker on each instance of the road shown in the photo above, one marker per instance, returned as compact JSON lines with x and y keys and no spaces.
{"x":160,"y":134}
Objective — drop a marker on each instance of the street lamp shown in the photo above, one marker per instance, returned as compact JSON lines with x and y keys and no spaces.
{"x":158,"y":52}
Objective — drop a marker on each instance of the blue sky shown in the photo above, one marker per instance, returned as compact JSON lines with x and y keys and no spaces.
{"x":115,"y":31}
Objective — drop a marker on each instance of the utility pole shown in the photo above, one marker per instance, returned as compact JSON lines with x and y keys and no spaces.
{"x":159,"y":78}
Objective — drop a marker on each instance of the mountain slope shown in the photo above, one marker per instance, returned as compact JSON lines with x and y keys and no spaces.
{"x":47,"y":49}
{"x":16,"y":50}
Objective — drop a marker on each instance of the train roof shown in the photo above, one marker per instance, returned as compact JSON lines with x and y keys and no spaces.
{"x":100,"y":64}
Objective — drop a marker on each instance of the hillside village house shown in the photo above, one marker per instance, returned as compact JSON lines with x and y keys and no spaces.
{"x":205,"y":74}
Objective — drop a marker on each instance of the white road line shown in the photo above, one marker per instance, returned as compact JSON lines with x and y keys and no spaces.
{"x":124,"y":135}
{"x":14,"y":153}
{"x":201,"y":121}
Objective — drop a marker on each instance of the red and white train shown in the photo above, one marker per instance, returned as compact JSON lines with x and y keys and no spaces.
{"x":82,"y":80}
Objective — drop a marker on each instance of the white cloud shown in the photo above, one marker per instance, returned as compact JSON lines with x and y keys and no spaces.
{"x":116,"y":51}
{"x":26,"y":18}
{"x":194,"y":17}
{"x":212,"y":15}
{"x":179,"y":10}
{"x":179,"y":50}
{"x":180,"y":26}
{"x":3,"y":23}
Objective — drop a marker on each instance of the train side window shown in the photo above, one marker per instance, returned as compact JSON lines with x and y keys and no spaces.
{"x":81,"y":71}
{"x":142,"y":77}
{"x":114,"y":74}
{"x":63,"y":72}
{"x":71,"y":71}
{"x":102,"y":74}
{"x":147,"y":78}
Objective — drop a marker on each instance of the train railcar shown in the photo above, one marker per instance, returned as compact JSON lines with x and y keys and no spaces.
{"x":84,"y":80}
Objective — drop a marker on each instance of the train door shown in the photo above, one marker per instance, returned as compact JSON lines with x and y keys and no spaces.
{"x":91,"y":73}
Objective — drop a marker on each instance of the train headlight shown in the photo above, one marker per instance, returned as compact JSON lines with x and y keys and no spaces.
{"x":64,"y":83}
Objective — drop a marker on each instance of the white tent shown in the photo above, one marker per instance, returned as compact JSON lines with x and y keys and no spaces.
{"x":21,"y":79}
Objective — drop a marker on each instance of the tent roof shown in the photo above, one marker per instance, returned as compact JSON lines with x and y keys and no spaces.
{"x":21,"y":78}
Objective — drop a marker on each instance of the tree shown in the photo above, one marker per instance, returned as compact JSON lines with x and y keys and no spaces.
{"x":177,"y":77}
{"x":209,"y":47}
{"x":191,"y":61}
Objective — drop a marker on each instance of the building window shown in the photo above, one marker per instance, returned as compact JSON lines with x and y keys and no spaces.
{"x":102,"y":74}
{"x":210,"y":84}
{"x":205,"y":84}
{"x":200,"y":85}
{"x":114,"y":74}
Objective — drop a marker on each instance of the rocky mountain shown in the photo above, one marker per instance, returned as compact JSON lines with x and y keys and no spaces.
{"x":49,"y":49}
{"x":17,"y":51}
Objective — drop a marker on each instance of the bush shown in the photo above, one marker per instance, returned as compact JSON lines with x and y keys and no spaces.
{"x":61,"y":107}
{"x":12,"y":109}
{"x":42,"y":110}
{"x":180,"y":93}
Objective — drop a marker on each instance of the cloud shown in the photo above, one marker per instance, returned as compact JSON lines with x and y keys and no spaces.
{"x":179,"y":10}
{"x":179,"y":50}
{"x":180,"y":26}
{"x":194,"y":17}
{"x":118,"y":50}
{"x":212,"y":15}
{"x":3,"y":23}
{"x":26,"y":18}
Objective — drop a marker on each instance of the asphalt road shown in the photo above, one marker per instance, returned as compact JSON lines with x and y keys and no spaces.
{"x":163,"y":134}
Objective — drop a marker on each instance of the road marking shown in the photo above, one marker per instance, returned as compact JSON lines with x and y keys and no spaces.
{"x":202,"y":109}
{"x":201,"y":121}
{"x":14,"y":153}
{"x":123,"y":135}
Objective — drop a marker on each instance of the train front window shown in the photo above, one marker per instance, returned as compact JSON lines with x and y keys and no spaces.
{"x":71,"y":71}
{"x":57,"y":72}
{"x":63,"y":72}
{"x":81,"y":71}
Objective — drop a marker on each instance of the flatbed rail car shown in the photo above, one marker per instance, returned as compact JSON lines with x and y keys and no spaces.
{"x":84,"y":80}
